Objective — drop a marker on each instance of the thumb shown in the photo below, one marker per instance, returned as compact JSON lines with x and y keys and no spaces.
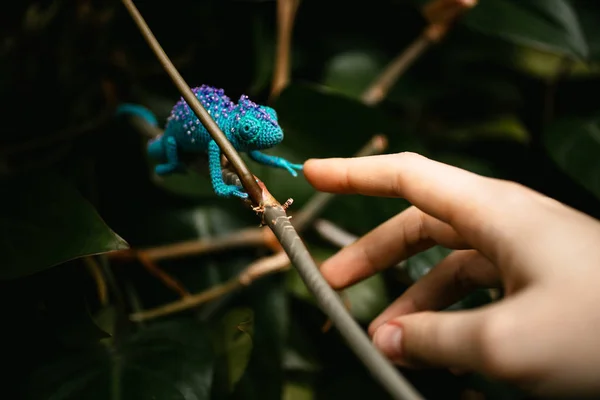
{"x":436,"y":339}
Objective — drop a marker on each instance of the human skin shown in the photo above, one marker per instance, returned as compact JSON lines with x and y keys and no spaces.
{"x":543,"y":336}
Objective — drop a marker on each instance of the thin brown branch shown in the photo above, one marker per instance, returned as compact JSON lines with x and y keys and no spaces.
{"x":96,"y":271}
{"x":379,"y":89}
{"x":260,"y":268}
{"x":286,"y":14}
{"x":211,"y":126}
{"x":164,"y":277}
{"x":249,"y":237}
{"x":441,"y":14}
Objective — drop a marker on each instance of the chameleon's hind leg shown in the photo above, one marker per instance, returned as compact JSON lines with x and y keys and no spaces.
{"x":172,"y":164}
{"x":216,"y":174}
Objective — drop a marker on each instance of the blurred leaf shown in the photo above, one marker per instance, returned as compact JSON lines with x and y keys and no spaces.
{"x":587,"y":12}
{"x":80,"y":331}
{"x":420,"y":264}
{"x":319,"y":122}
{"x":166,"y":360}
{"x":549,"y":25}
{"x":574,"y":144}
{"x":46,"y":222}
{"x":544,"y":65}
{"x":300,"y":354}
{"x":234,"y":341}
{"x":497,"y":127}
{"x":297,"y":391}
{"x":106,"y":319}
{"x":191,"y":184}
{"x":351,"y":72}
{"x":264,"y":375}
{"x":367,"y":298}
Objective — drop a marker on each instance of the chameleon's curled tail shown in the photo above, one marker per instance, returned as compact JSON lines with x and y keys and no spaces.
{"x":125,"y":109}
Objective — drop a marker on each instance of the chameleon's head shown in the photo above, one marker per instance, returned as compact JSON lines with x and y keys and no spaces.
{"x":255,"y":127}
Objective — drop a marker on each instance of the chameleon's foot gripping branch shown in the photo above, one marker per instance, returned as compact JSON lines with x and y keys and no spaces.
{"x":276,"y":218}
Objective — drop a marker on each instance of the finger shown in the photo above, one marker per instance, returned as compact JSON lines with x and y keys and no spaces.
{"x":408,"y":233}
{"x":453,"y":278}
{"x":435,"y":339}
{"x":474,"y":205}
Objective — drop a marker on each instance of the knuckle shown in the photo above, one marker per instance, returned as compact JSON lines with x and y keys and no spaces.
{"x":409,"y":156}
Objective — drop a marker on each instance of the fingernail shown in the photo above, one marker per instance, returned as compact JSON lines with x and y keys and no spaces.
{"x":388,"y":339}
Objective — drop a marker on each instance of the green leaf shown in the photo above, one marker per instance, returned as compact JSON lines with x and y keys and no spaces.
{"x":420,"y":264}
{"x":264,"y":374}
{"x":45,"y":222}
{"x":550,"y":25}
{"x":574,"y":145}
{"x":297,"y":391}
{"x":367,"y":298}
{"x":588,"y":12}
{"x":506,"y":126}
{"x":234,"y":341}
{"x":319,"y":122}
{"x":170,"y":360}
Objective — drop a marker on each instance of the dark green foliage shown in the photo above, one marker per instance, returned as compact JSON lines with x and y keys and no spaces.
{"x":512,"y":92}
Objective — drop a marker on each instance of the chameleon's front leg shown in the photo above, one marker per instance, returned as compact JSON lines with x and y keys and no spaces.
{"x":274,"y":161}
{"x":216,"y":174}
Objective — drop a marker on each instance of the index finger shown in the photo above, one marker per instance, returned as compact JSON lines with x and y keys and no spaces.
{"x":470,"y":203}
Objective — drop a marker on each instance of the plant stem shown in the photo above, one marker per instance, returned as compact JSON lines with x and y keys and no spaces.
{"x":286,"y":14}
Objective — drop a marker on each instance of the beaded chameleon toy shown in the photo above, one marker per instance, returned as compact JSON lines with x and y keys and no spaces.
{"x":248,"y":126}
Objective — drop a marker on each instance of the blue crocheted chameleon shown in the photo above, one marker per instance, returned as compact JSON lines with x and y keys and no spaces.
{"x":248,"y":126}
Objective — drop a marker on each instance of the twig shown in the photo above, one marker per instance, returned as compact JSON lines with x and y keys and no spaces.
{"x":286,"y":14}
{"x":441,"y":14}
{"x":333,"y":233}
{"x":384,"y":82}
{"x":257,"y":269}
{"x":96,"y":271}
{"x":249,"y":237}
{"x":211,"y":126}
{"x":167,"y":279}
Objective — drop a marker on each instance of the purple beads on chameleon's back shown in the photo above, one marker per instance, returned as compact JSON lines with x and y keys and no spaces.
{"x":246,"y":105}
{"x":214,"y":100}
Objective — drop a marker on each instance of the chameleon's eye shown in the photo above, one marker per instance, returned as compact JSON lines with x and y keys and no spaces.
{"x":247,"y":130}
